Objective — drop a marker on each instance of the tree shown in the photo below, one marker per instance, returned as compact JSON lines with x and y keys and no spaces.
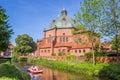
{"x":89,"y":16}
{"x":24,"y":44}
{"x":112,"y":20}
{"x":5,"y":30}
{"x":114,"y":43}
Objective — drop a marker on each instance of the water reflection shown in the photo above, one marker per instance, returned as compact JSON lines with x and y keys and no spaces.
{"x":36,"y":76}
{"x":51,"y":74}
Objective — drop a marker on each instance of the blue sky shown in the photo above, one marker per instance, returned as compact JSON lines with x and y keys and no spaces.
{"x":32,"y":16}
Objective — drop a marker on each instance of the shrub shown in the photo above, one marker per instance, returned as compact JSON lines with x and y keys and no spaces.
{"x":61,"y":54}
{"x":70,"y":57}
{"x":15,"y":57}
{"x":100,"y":53}
{"x":89,"y":54}
{"x":53,"y":54}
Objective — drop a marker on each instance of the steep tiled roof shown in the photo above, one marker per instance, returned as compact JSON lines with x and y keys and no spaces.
{"x":45,"y":46}
{"x":106,"y":45}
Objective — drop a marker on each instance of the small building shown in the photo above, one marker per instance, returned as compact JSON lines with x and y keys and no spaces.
{"x":8,"y":51}
{"x":58,"y":37}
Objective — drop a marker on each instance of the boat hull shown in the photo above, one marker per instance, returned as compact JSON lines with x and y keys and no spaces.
{"x":34,"y":71}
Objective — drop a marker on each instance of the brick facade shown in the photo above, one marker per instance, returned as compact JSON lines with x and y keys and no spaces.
{"x":59,"y":38}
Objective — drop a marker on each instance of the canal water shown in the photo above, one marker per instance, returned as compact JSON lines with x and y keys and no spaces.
{"x":53,"y":74}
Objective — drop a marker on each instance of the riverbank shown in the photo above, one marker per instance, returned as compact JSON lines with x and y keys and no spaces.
{"x":100,"y":69}
{"x":9,"y":72}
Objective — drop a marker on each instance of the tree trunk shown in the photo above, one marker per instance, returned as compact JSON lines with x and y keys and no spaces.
{"x":93,"y":54}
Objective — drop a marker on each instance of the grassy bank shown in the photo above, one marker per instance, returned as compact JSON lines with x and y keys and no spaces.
{"x":9,"y":72}
{"x":100,"y":69}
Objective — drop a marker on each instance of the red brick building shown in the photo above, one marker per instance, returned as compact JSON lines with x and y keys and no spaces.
{"x":58,"y":37}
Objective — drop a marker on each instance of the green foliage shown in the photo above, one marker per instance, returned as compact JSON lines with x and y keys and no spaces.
{"x":70,"y":58}
{"x":96,"y":47}
{"x":53,"y":54}
{"x":61,"y":54}
{"x":73,"y":31}
{"x":111,"y":16}
{"x":5,"y":30}
{"x":9,"y":72}
{"x":100,"y":54}
{"x":24,"y":44}
{"x":114,"y":43}
{"x":81,"y":27}
{"x":90,"y":54}
{"x":90,"y":16}
{"x":15,"y":57}
{"x":111,"y":71}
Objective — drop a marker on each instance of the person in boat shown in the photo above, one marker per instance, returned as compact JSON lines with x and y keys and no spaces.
{"x":35,"y":68}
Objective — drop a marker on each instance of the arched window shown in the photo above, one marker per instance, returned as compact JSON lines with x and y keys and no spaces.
{"x":68,"y":50}
{"x":63,"y":50}
{"x":79,"y":51}
{"x":63,"y":39}
{"x":84,"y":50}
{"x":75,"y":51}
{"x":66,"y":39}
{"x":48,"y":51}
{"x":59,"y":50}
{"x":60,"y":39}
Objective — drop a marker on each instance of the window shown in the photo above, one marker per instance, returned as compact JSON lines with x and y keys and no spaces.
{"x":49,"y":51}
{"x":66,"y":39}
{"x":79,"y":51}
{"x":63,"y":39}
{"x":59,"y":50}
{"x":60,"y":39}
{"x":84,"y":50}
{"x":68,"y":50}
{"x":75,"y":51}
{"x":63,"y":50}
{"x":63,"y":33}
{"x":45,"y":51}
{"x":41,"y":50}
{"x":90,"y":48}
